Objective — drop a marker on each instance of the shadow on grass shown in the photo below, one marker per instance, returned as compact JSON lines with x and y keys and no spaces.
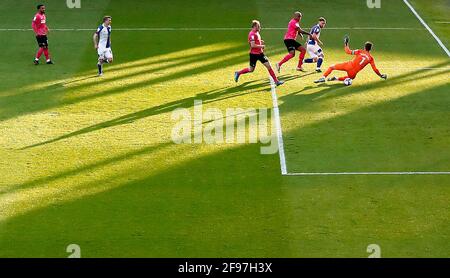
{"x":158,"y":67}
{"x":227,"y":203}
{"x":216,"y":95}
{"x":90,"y":167}
{"x":51,"y":96}
{"x":403,"y":134}
{"x":182,"y":211}
{"x":335,"y":89}
{"x":207,"y":97}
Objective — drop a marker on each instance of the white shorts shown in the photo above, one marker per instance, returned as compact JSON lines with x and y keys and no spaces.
{"x":314,"y":51}
{"x":105,"y":53}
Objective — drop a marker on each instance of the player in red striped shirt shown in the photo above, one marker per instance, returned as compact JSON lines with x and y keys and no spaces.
{"x":40,"y":28}
{"x":257,"y":54}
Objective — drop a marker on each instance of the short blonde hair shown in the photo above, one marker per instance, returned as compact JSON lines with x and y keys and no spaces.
{"x":255,"y":22}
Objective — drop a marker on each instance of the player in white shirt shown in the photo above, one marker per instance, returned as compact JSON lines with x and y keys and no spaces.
{"x":314,"y":45}
{"x":102,"y":42}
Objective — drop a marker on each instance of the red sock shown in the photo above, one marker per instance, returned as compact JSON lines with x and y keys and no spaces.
{"x":286,"y":58}
{"x":342,"y":78}
{"x":273,"y":75}
{"x":47,"y":55}
{"x":244,"y":71}
{"x":302,"y":56}
{"x":39,"y":53}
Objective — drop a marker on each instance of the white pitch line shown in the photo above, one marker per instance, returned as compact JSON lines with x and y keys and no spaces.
{"x":366,"y":173}
{"x":208,"y":29}
{"x":276,"y":114}
{"x":414,"y":68}
{"x":427,"y":27}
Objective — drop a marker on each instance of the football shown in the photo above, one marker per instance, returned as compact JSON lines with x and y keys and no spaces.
{"x":348,"y":81}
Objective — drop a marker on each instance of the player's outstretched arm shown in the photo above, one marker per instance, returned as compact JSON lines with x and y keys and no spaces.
{"x":302,"y":32}
{"x":375,"y":69}
{"x":348,"y":50}
{"x":346,"y":47}
{"x":346,"y":40}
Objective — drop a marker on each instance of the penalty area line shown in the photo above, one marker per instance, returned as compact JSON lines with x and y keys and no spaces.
{"x":366,"y":173}
{"x":276,"y":113}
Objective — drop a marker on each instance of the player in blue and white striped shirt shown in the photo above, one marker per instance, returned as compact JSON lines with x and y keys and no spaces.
{"x":314,"y":45}
{"x":102,"y":42}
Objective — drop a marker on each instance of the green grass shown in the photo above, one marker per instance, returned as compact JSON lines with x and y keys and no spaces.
{"x":91,"y":161}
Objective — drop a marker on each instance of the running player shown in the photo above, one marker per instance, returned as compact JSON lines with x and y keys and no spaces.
{"x":314,"y":45}
{"x":257,"y":54}
{"x":102,"y":42}
{"x":290,"y":40}
{"x":362,"y":59}
{"x":40,"y":28}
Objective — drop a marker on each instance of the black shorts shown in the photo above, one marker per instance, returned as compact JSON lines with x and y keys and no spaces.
{"x":42,"y":41}
{"x":257,"y":57}
{"x":292,"y":44}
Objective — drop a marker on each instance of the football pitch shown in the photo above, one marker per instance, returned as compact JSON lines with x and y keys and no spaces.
{"x":91,"y":160}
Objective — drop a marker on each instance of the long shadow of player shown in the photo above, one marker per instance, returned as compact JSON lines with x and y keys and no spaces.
{"x":207,"y":97}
